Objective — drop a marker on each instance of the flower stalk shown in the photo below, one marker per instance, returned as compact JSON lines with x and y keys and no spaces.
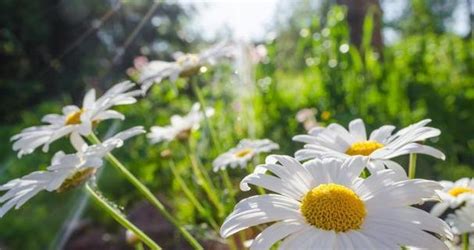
{"x":121,"y":219}
{"x":224,"y":174}
{"x":205,"y":181}
{"x":148,"y":195}
{"x":189,"y":194}
{"x":465,"y":241}
{"x":412,"y":166}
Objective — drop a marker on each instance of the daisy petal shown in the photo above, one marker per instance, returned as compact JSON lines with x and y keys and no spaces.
{"x":357,"y":129}
{"x":258,"y":210}
{"x":388,"y":153}
{"x":382,"y":133}
{"x":274,"y":233}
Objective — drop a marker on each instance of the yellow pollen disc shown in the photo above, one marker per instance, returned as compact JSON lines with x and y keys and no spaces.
{"x":363,"y":148}
{"x":76,"y":179}
{"x":191,"y":61}
{"x":243,"y":152}
{"x":183,"y":135}
{"x":74,"y":118}
{"x":191,"y":58}
{"x":456,"y":191}
{"x":333,"y":207}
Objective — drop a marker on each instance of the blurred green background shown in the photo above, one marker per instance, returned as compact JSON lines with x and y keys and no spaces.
{"x":332,"y":57}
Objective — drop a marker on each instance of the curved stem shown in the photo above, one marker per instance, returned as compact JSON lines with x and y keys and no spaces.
{"x":205,"y":181}
{"x":121,"y":219}
{"x":187,"y":191}
{"x":224,"y":174}
{"x":412,"y":167}
{"x":148,"y":195}
{"x":465,"y":241}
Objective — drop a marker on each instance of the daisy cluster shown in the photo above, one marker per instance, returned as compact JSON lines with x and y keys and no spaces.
{"x":342,"y":190}
{"x":322,"y":199}
{"x":67,"y":171}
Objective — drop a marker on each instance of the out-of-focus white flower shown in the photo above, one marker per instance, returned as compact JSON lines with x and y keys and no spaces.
{"x":326,"y":205}
{"x":185,"y":65}
{"x":258,"y":53}
{"x":181,"y":126}
{"x":65,"y":172}
{"x":243,"y":152}
{"x":75,"y":119}
{"x":307,"y":118}
{"x":453,"y":195}
{"x":380,"y":147}
{"x":462,"y":221}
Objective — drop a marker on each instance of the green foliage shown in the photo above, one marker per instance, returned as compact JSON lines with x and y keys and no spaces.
{"x":51,"y":49}
{"x":423,"y":76}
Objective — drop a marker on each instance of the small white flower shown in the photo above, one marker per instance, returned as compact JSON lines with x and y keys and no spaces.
{"x":242,"y":153}
{"x":324,"y":204}
{"x":462,"y":221}
{"x":380,"y":147}
{"x":181,"y":126}
{"x":65,"y":172}
{"x":453,"y":195}
{"x":75,"y":119}
{"x":184,"y":65}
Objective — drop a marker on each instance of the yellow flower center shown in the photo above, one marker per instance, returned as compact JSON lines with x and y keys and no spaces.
{"x":456,"y":191}
{"x":191,"y":64}
{"x":363,"y":148}
{"x":74,"y":118}
{"x":76,"y":179}
{"x":188,"y":58}
{"x":333,"y":207}
{"x":243,"y":152}
{"x":183,"y":135}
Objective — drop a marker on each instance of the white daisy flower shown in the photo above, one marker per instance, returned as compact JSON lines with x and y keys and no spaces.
{"x":75,"y":119}
{"x":65,"y":172}
{"x":185,"y":65}
{"x":181,"y":126}
{"x":453,"y":195}
{"x":462,"y":221}
{"x":380,"y":147}
{"x":243,"y":153}
{"x":326,"y":205}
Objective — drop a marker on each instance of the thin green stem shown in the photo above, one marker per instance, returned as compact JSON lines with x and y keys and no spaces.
{"x":212,"y":134}
{"x":148,"y":195}
{"x":139,"y":246}
{"x":412,"y":166}
{"x":465,"y":241}
{"x":120,"y":218}
{"x":190,"y":195}
{"x":205,"y":181}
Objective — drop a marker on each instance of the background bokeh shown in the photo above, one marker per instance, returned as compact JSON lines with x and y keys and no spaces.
{"x":344,"y":59}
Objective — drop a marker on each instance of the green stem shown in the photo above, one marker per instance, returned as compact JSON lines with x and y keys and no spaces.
{"x":465,"y":241}
{"x":212,"y":134}
{"x":205,"y":181}
{"x":148,"y":195}
{"x":139,"y":246}
{"x":189,"y":194}
{"x":120,"y":218}
{"x":412,"y":167}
